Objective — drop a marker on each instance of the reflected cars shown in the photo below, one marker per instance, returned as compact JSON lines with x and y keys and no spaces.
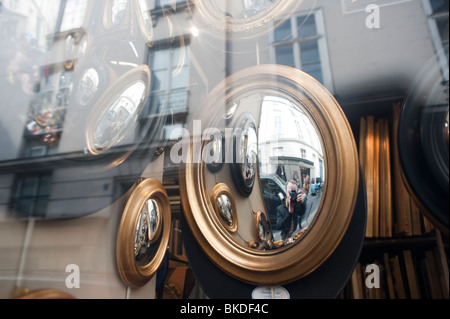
{"x":316,"y":186}
{"x":274,"y":192}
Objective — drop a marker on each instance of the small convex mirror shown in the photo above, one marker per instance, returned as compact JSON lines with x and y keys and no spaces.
{"x":114,"y":119}
{"x":147,"y":232}
{"x":144,"y":233}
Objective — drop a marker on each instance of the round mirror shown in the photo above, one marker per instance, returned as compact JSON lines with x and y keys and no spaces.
{"x":148,"y":231}
{"x":245,"y":160}
{"x":225,"y":207}
{"x":115,"y":117}
{"x":242,"y":18}
{"x":423,"y":143}
{"x":144,"y":233}
{"x":216,"y":157}
{"x":288,"y":146}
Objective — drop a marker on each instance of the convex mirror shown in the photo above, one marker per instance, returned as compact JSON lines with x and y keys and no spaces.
{"x":282,"y":129}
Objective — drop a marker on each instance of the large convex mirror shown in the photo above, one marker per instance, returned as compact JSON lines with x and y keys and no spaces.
{"x":423,"y":142}
{"x":286,"y":177}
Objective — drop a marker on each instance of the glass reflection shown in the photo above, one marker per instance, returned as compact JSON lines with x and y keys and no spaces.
{"x":145,"y":20}
{"x":248,"y":145}
{"x":291,"y":168}
{"x":118,"y":11}
{"x":262,"y":229}
{"x":242,"y":9}
{"x":148,"y":231}
{"x":225,"y":209}
{"x":115,"y":123}
{"x":278,"y":168}
{"x":89,"y":85}
{"x":59,"y":58}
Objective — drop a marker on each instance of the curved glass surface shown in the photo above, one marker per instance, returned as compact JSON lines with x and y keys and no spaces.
{"x":96,"y":95}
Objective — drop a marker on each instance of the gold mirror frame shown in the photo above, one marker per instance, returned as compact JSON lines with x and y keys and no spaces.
{"x":132,"y":274}
{"x":219,"y":190}
{"x":288,"y":264}
{"x":242,"y":28}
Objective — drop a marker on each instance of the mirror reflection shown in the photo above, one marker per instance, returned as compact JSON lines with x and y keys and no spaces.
{"x":118,"y":119}
{"x":56,"y":73}
{"x":118,"y":11}
{"x":148,"y":231}
{"x":246,"y":159}
{"x":89,"y":85}
{"x":292,"y":167}
{"x":282,"y":159}
{"x":225,"y":209}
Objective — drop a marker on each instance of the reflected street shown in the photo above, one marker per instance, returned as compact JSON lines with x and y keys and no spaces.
{"x":312,"y":206}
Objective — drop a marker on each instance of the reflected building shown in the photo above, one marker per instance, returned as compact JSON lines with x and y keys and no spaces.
{"x":75,"y":51}
{"x":289,"y":142}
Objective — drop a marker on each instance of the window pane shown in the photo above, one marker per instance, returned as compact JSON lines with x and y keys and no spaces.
{"x":29,"y":187}
{"x":310,"y":53}
{"x":439,"y":5}
{"x":285,"y":55}
{"x":315,"y":70}
{"x":306,"y":26}
{"x":44,"y":186}
{"x":284,"y":31}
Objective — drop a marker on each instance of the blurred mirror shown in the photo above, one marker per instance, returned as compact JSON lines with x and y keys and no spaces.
{"x":145,"y":20}
{"x":82,"y":120}
{"x":117,"y":120}
{"x":242,"y":9}
{"x":89,"y":85}
{"x":423,"y":142}
{"x":243,"y":19}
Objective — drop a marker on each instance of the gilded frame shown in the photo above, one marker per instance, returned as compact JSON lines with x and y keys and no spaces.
{"x":284,"y":265}
{"x":132,"y":274}
{"x":219,"y":190}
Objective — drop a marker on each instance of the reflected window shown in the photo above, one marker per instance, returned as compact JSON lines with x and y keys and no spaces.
{"x":32,"y":195}
{"x":300,"y":43}
{"x":437,"y":11}
{"x":170,"y":81}
{"x":159,"y":4}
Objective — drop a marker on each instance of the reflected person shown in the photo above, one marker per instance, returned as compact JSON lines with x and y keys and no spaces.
{"x":290,"y":213}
